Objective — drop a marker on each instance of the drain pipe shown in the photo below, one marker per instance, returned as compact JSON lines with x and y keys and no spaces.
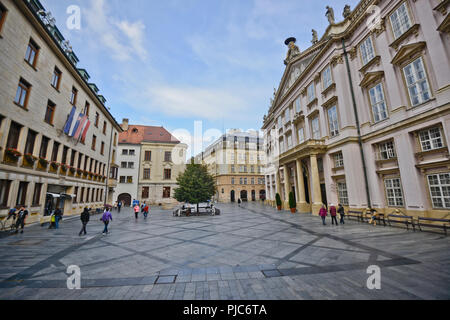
{"x":355,"y":110}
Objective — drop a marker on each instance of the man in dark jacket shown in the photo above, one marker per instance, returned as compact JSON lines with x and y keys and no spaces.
{"x":58,"y":217}
{"x":84,"y":220}
{"x":20,"y":222}
{"x":341,"y":212}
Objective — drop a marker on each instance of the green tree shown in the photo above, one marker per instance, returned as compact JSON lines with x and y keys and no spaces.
{"x":195,"y":185}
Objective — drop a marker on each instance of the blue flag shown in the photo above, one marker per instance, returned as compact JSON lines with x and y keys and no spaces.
{"x":77,"y":124}
{"x":69,"y":121}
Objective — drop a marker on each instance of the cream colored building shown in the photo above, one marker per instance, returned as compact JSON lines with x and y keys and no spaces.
{"x":236,"y":161}
{"x":362,"y":117}
{"x":41,"y":166}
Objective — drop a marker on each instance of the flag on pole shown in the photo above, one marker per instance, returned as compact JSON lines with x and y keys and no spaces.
{"x":77,"y":124}
{"x":69,"y":121}
{"x":80,"y":127}
{"x":83,"y":137}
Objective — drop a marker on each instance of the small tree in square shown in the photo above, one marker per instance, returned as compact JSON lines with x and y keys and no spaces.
{"x":195,"y":184}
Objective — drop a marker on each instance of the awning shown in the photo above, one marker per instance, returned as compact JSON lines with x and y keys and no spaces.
{"x":54,"y":195}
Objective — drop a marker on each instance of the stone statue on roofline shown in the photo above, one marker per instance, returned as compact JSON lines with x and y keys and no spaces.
{"x":315,"y":38}
{"x":293,"y":50}
{"x":346,"y":12}
{"x":330,"y":14}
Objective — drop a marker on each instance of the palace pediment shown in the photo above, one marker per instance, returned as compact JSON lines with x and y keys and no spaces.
{"x":407,"y":51}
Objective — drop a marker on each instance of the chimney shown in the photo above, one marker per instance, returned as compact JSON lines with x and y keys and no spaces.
{"x":124,"y":124}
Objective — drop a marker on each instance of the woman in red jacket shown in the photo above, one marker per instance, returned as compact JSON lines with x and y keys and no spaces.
{"x":323,"y":214}
{"x":333,"y":213}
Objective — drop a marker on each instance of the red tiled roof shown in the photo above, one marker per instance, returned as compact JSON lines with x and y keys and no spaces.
{"x":137,"y":134}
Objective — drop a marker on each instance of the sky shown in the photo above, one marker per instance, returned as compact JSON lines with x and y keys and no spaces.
{"x":174,"y":62}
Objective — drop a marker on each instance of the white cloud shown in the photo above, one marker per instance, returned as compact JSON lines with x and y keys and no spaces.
{"x":135,"y":33}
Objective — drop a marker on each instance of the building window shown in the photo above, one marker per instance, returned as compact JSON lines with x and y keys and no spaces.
{"x":97,"y":118}
{"x":102,"y":150}
{"x":73,"y":96}
{"x":342,"y":193}
{"x":333,"y":121}
{"x":167,"y":156}
{"x":394,"y":192}
{"x":339,"y":160}
{"x":75,"y":193}
{"x":129,"y":179}
{"x":37,"y":194}
{"x":233,"y":168}
{"x":29,"y":145}
{"x":289,"y":141}
{"x":124,"y":152}
{"x":245,"y":181}
{"x":378,"y":103}
{"x":13,"y":136}
{"x":123,"y":165}
{"x":131,"y":152}
{"x":439,"y":185}
{"x":88,"y":192}
{"x":280,"y":122}
{"x":386,"y":151}
{"x":253,"y":181}
{"x":311,"y":92}
{"x":148,"y":156}
{"x":400,"y":20}
{"x":50,"y":112}
{"x":241,"y":181}
{"x":122,"y":179}
{"x":64,"y":155}
{"x":55,"y":151}
{"x":44,"y":148}
{"x":94,"y":142}
{"x":32,"y":53}
{"x":367,"y":51}
{"x":326,"y":78}
{"x":431,"y":139}
{"x":56,"y":78}
{"x":167,"y":174}
{"x":22,"y":194}
{"x":166,"y":192}
{"x":82,"y":195}
{"x":5,"y":186}
{"x":22,"y":93}
{"x":232,"y":180}
{"x":130,"y":165}
{"x":301,"y":135}
{"x":147,"y":174}
{"x":145,"y":192}
{"x":3,"y":13}
{"x":315,"y":128}
{"x":298,"y":105}
{"x":104,"y":127}
{"x":417,"y":82}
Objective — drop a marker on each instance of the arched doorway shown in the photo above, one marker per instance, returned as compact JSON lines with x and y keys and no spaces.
{"x":262,"y":194}
{"x":232,"y":196}
{"x":253,"y":195}
{"x":244,"y":195}
{"x":126,"y":198}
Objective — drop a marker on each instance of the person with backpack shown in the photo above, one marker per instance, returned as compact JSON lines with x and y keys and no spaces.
{"x":21,"y":216}
{"x":341,"y":212}
{"x":106,"y":218}
{"x":84,"y":220}
{"x":136,"y":210}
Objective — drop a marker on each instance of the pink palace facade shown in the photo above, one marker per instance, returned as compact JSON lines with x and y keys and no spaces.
{"x":362,"y":117}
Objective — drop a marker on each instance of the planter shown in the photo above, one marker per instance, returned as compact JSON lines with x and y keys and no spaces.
{"x":12,"y":156}
{"x":29,"y":160}
{"x":279,"y":208}
{"x":42,"y":164}
{"x":293,"y":210}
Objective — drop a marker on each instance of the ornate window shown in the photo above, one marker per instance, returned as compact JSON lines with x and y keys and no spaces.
{"x":22,"y":93}
{"x":378,"y":103}
{"x":297,"y":105}
{"x":394,"y":192}
{"x":326,"y":78}
{"x":367,"y":51}
{"x":315,"y":128}
{"x":417,"y":82}
{"x":333,"y":121}
{"x":342,"y":193}
{"x":439,"y":185}
{"x":386,"y":151}
{"x":311,"y":92}
{"x":301,"y":135}
{"x":431,"y":139}
{"x":147,"y":174}
{"x":338,"y":160}
{"x":289,"y":141}
{"x":400,"y":20}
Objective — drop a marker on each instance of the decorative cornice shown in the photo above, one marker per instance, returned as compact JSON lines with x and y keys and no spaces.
{"x":375,"y":61}
{"x":445,"y":25}
{"x":330,"y":102}
{"x":337,"y":59}
{"x":370,"y":78}
{"x":330,"y":87}
{"x":407,"y":51}
{"x":414,"y":30}
{"x":353,"y":53}
{"x":442,"y":7}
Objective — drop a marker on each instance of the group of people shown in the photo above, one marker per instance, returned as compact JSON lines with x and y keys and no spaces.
{"x":85,"y":217}
{"x":18,"y":215}
{"x":323,"y":213}
{"x":144,"y":208}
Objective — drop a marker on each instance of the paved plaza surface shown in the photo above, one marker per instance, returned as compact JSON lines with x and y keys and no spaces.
{"x":250,"y":253}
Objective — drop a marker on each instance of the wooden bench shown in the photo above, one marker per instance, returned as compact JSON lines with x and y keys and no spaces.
{"x":354,"y":214}
{"x":425,"y":222}
{"x":407,"y":220}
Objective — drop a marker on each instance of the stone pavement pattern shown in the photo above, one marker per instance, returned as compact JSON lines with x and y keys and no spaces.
{"x":253,"y":253}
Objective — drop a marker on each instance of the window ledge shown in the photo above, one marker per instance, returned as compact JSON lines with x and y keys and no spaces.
{"x":314,"y":101}
{"x":413,"y":30}
{"x":22,"y":107}
{"x":329,"y":88}
{"x":433,"y":151}
{"x":374,"y":61}
{"x":34,"y":68}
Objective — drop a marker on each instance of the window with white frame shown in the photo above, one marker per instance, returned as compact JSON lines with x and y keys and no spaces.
{"x":338,"y":160}
{"x":378,"y":103}
{"x":386,"y":151}
{"x":367,"y":51}
{"x":281,"y":146}
{"x":326,"y":78}
{"x":297,"y":105}
{"x":289,"y":141}
{"x":280,"y":122}
{"x":417,"y":82}
{"x":394,"y":192}
{"x":315,"y":129}
{"x":287,"y":115}
{"x":431,"y":139}
{"x":342,"y":193}
{"x":301,"y":135}
{"x":439,"y":185}
{"x":311,"y":92}
{"x":333,"y":121}
{"x":400,"y":20}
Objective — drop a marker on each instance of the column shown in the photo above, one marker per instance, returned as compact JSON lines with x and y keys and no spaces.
{"x":317,"y":195}
{"x":287,"y":186}
{"x":301,"y":198}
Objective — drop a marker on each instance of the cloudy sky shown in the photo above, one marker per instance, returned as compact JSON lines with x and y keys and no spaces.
{"x":170,"y":63}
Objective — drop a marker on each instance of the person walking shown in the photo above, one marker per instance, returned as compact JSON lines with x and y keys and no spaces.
{"x":239,"y":202}
{"x":136,"y":210}
{"x":106,"y":218}
{"x":58,"y":217}
{"x":84,"y":220}
{"x":341,"y":212}
{"x":119,"y":205}
{"x":146,"y":209}
{"x":323,"y":214}
{"x":21,"y":216}
{"x":333,"y":214}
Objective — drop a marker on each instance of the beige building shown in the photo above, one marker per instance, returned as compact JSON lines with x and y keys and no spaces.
{"x":161,"y":158}
{"x":57,"y":139}
{"x":236,"y":160}
{"x":362,"y":116}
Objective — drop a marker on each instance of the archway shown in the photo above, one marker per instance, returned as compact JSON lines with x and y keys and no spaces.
{"x":232,"y":196}
{"x":126,"y":198}
{"x":244,"y":195}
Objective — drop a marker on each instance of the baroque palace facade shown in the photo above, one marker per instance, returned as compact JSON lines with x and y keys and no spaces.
{"x":58,"y":141}
{"x":362,"y":117}
{"x":150,"y":160}
{"x":236,"y":161}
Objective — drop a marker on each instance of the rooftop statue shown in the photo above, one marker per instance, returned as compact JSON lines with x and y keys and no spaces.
{"x":347,"y":11}
{"x":315,"y":39}
{"x":330,"y":15}
{"x":293,"y":50}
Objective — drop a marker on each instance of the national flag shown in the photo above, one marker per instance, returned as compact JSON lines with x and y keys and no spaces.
{"x":80,"y":127}
{"x":69,"y":121}
{"x":77,"y":124}
{"x":83,"y":137}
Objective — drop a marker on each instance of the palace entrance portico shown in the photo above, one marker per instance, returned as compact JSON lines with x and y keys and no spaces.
{"x":299,"y":171}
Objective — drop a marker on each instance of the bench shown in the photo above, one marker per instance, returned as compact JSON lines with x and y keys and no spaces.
{"x":426,"y":222}
{"x":407,"y":220}
{"x":354,"y":214}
